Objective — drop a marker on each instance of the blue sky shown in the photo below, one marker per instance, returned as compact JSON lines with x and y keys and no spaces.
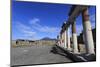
{"x":33,"y":20}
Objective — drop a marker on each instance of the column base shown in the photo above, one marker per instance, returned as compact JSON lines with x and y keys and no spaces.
{"x":90,"y":54}
{"x":76,"y":53}
{"x":69,"y":49}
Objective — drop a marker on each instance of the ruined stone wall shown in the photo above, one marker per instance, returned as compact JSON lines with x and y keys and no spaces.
{"x":37,"y":42}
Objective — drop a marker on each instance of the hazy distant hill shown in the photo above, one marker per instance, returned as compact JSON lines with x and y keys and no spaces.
{"x":47,"y":38}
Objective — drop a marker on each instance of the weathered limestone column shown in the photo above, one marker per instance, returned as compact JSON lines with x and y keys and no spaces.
{"x":87,"y":32}
{"x":59,"y":40}
{"x":68,"y":39}
{"x":62,"y":40}
{"x":65,"y":39}
{"x":74,"y":38}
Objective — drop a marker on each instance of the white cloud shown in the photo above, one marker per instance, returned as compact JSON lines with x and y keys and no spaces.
{"x":21,"y":26}
{"x":34,"y":21}
{"x":33,"y":29}
{"x":49,"y":29}
{"x":27,"y":31}
{"x":43,"y":28}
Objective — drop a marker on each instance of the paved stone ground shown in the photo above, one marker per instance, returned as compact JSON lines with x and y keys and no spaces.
{"x":35,"y":55}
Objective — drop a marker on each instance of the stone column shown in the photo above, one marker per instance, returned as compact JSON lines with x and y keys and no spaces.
{"x":60,"y":40}
{"x":65,"y":38}
{"x":87,"y":32}
{"x":74,"y":38}
{"x":68,"y":39}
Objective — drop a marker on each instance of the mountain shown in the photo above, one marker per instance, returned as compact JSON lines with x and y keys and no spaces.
{"x":47,"y":38}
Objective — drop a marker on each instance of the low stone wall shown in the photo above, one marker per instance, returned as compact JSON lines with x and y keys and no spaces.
{"x":32,"y":43}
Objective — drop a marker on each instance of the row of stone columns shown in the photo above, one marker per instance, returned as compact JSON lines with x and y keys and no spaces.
{"x":64,"y":39}
{"x":87,"y":31}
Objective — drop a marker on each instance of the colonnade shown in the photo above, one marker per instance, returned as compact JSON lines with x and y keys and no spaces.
{"x":64,"y":36}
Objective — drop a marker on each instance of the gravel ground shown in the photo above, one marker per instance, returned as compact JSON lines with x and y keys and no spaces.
{"x":35,"y":55}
